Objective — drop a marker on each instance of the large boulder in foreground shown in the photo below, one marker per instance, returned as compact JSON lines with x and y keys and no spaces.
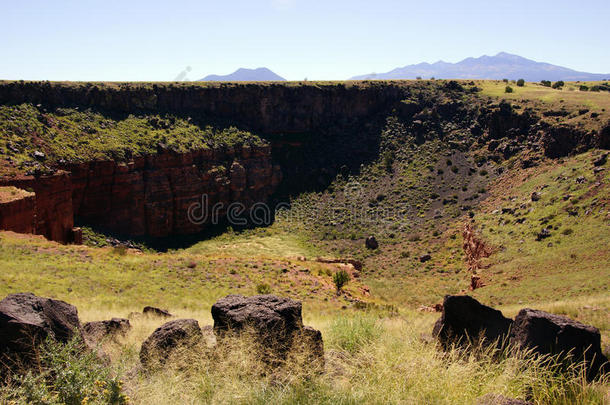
{"x":465,"y":320}
{"x":547,"y":333}
{"x":26,"y":320}
{"x":276,"y":323}
{"x":98,"y":331}
{"x":157,"y":349}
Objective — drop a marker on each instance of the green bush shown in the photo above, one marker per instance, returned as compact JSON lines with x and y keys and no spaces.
{"x":583,"y":87}
{"x":508,"y":89}
{"x":263,"y":288}
{"x":559,"y":84}
{"x":520,"y":82}
{"x":66,"y":374}
{"x":388,"y":160}
{"x":545,"y":83}
{"x":340,"y":278}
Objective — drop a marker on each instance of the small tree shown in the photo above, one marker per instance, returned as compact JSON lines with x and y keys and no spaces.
{"x":545,"y":83}
{"x":508,"y":89}
{"x":340,"y":278}
{"x":559,"y":84}
{"x":520,"y":82}
{"x":583,"y":87}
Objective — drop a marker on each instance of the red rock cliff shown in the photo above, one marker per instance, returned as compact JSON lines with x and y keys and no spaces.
{"x":53,"y":215}
{"x":17,"y":210}
{"x":151,"y":195}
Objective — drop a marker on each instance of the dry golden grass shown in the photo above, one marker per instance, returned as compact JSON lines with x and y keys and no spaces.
{"x":370,"y":359}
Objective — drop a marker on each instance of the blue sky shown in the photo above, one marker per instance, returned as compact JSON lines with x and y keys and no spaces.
{"x":155,"y":40}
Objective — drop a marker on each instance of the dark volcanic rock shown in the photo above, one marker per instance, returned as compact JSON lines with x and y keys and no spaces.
{"x":425,"y":257}
{"x":371,"y":243}
{"x":554,"y":334}
{"x":543,"y":234}
{"x":167,"y":338}
{"x":26,"y":320}
{"x":601,"y":160}
{"x":163,"y":313}
{"x":276,"y":322}
{"x":535,"y":196}
{"x":267,"y":313}
{"x":100,"y":330}
{"x":465,"y":320}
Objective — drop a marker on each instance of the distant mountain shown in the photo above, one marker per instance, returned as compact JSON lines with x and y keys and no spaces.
{"x":246,"y":75}
{"x":500,"y":66}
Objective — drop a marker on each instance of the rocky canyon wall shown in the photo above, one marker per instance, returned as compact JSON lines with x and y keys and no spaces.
{"x":151,"y":195}
{"x":52,"y":215}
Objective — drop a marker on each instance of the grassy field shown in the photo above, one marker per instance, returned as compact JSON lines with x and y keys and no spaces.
{"x":373,"y":356}
{"x":377,"y":339}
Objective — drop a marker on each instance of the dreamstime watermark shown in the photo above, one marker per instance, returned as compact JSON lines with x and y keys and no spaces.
{"x":351,"y":208}
{"x":183,"y":75}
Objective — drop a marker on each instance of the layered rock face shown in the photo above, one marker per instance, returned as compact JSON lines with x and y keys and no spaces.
{"x":53,"y":215}
{"x":152,"y":195}
{"x":268,"y":108}
{"x":17,"y":210}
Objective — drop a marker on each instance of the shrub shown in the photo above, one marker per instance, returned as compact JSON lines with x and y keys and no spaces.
{"x":454,"y":169}
{"x":559,"y":84}
{"x":505,"y":80}
{"x":520,"y":82}
{"x":545,"y":83}
{"x":508,"y":89}
{"x":67,"y":374}
{"x":340,"y":278}
{"x":583,"y":87}
{"x":263,"y":288}
{"x":388,"y":160}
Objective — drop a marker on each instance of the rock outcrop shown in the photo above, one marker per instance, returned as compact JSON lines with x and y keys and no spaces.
{"x":26,"y":320}
{"x":474,"y":247}
{"x":558,"y":335}
{"x":98,"y":331}
{"x":171,"y":193}
{"x":17,"y":210}
{"x":157,"y":195}
{"x":154,"y":311}
{"x":166,"y":339}
{"x":465,"y":320}
{"x":276,"y":323}
{"x":53,"y":214}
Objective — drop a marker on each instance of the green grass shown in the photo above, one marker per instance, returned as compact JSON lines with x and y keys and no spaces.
{"x":74,"y":135}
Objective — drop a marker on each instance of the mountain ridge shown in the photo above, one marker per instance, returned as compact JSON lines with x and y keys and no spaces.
{"x":500,"y":66}
{"x":246,"y":75}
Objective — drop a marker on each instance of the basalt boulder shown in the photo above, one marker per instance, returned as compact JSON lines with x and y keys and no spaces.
{"x":166,"y":339}
{"x":153,"y":311}
{"x":547,"y":333}
{"x":465,"y":320}
{"x":100,"y":330}
{"x":26,"y":320}
{"x":371,"y":243}
{"x":276,"y":323}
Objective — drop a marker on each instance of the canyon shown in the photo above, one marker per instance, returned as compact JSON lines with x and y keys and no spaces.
{"x":311,"y":132}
